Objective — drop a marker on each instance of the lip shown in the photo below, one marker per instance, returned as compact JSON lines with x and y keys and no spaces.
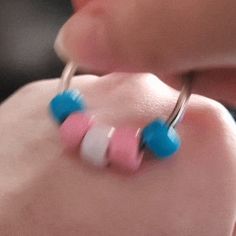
{"x":78,"y":4}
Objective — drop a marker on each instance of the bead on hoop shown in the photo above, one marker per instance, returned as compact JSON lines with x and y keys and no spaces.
{"x":122,"y":147}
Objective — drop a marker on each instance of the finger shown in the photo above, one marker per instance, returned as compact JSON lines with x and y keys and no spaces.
{"x":78,"y":4}
{"x":149,"y":35}
{"x":219,"y":84}
{"x":204,"y":167}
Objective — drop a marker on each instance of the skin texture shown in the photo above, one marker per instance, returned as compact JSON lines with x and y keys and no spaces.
{"x":162,"y":37}
{"x":46,"y":191}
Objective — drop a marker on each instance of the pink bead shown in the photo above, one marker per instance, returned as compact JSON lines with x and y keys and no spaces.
{"x":74,"y":128}
{"x":124,"y":149}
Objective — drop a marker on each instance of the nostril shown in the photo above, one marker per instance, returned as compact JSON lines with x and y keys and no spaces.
{"x":78,"y":4}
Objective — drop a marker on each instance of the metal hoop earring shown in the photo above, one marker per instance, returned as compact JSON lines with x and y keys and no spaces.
{"x":121,"y":147}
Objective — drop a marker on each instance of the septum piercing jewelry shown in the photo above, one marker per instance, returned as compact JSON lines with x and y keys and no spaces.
{"x":119,"y":147}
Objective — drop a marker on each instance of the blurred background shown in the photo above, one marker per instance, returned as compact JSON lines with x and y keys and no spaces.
{"x":28,"y":29}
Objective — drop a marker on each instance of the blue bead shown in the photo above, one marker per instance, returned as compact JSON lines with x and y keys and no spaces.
{"x":160,"y":139}
{"x":65,"y":104}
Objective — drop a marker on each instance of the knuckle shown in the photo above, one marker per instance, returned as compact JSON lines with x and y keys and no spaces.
{"x":216,"y":131}
{"x":31,"y":87}
{"x":213,"y":116}
{"x":38,"y":88}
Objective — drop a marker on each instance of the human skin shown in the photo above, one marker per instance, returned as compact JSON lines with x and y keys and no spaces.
{"x":164,"y":37}
{"x":47,"y":191}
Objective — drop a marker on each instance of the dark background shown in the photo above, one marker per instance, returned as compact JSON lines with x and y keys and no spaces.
{"x":28,"y":29}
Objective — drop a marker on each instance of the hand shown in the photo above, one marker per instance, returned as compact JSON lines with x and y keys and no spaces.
{"x":46,"y":191}
{"x":164,"y":37}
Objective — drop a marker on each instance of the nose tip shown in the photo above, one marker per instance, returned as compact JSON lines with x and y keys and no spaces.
{"x":78,"y":4}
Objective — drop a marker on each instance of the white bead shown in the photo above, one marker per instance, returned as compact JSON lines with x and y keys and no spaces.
{"x":95,"y":144}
